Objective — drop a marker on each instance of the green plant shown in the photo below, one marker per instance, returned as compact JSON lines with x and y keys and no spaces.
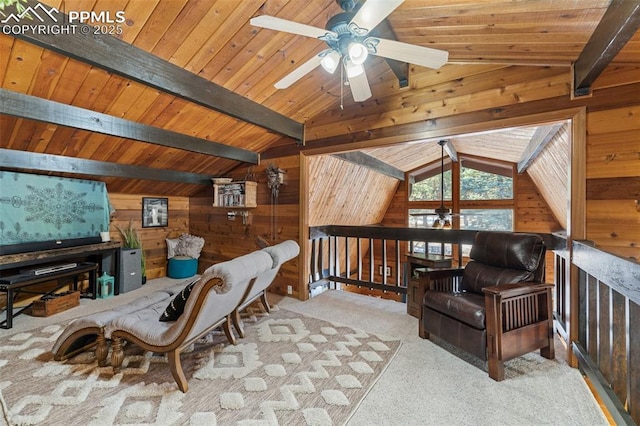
{"x":131,"y":239}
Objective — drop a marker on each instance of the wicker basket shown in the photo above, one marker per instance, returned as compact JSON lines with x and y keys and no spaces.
{"x":55,"y":303}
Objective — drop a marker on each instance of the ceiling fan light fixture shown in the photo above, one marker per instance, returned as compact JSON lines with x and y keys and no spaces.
{"x":358,"y":53}
{"x":330,"y":62}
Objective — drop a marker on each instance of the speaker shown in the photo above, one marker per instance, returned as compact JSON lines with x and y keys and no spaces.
{"x":130,"y":275}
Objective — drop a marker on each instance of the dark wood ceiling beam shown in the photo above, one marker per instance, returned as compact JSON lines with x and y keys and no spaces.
{"x":34,"y":108}
{"x":14,"y":159}
{"x":372,"y":163}
{"x":540,"y":139}
{"x":451,"y":151}
{"x":121,"y":58}
{"x":619,"y":23}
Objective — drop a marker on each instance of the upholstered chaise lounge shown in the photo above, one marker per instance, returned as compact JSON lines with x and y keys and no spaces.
{"x":211,"y":302}
{"x":88,"y":331}
{"x":496,"y":308}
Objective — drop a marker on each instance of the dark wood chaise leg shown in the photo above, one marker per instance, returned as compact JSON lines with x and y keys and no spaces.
{"x":117,"y":354}
{"x":265,"y":302}
{"x":227,"y":330}
{"x":102,"y":350}
{"x":176,"y":370}
{"x":237,"y":322}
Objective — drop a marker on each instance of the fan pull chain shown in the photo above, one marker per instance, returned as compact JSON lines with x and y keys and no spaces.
{"x":342,"y":83}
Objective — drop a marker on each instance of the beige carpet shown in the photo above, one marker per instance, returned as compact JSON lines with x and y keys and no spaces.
{"x":426,"y":383}
{"x":288,"y":370}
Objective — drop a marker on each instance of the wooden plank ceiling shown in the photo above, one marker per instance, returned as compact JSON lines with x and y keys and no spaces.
{"x":214,"y":40}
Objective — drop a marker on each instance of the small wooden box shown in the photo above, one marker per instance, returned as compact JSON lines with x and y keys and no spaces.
{"x":58,"y":303}
{"x":235,"y":194}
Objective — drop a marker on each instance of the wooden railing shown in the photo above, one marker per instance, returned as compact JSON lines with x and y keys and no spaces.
{"x":607,"y":344}
{"x":351,"y":254}
{"x":608,"y":341}
{"x":347,"y":254}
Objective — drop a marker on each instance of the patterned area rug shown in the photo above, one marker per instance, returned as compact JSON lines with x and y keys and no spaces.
{"x":288,"y":370}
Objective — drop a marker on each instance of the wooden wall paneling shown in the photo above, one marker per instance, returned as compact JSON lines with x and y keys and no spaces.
{"x":532,"y":213}
{"x":129,"y":207}
{"x":617,"y":75}
{"x":613,"y":144}
{"x":613,"y":154}
{"x":614,"y":225}
{"x":225,"y":239}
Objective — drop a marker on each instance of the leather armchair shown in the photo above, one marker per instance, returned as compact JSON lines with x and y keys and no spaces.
{"x":496,"y":308}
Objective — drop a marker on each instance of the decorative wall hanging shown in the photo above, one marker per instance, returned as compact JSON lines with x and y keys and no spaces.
{"x":155,"y":212}
{"x":275,"y":178}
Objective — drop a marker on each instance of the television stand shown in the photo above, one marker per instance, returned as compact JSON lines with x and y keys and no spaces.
{"x":13,"y":285}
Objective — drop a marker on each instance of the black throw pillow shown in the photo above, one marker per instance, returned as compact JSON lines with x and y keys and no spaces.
{"x":176,"y":307}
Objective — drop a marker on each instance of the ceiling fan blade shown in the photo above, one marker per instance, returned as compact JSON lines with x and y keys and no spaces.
{"x":373,"y":12}
{"x":278,"y":24}
{"x":360,"y":89}
{"x":301,"y":71}
{"x":418,"y":55}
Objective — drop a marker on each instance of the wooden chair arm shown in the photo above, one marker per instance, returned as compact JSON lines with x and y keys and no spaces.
{"x":442,"y":279}
{"x":514,"y":290}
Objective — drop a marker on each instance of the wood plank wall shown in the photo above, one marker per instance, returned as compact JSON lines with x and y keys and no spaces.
{"x":533,"y":214}
{"x":129,"y":207}
{"x":225,"y":239}
{"x":613,"y":180}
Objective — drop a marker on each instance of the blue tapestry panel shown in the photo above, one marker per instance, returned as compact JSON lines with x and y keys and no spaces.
{"x":45,"y":208}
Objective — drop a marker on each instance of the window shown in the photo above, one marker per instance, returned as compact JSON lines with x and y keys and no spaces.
{"x":480,"y":180}
{"x":423,"y":218}
{"x":485,"y":220}
{"x":485,"y":200}
{"x":427,"y":185}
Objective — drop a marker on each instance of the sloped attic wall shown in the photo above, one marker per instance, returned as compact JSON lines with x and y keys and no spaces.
{"x":341,"y":193}
{"x":549,"y":173}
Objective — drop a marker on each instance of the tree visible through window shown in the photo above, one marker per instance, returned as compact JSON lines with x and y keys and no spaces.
{"x":429,"y":189}
{"x":480,"y":185}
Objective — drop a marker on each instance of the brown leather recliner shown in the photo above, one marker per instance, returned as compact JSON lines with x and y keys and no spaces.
{"x":496,"y":308}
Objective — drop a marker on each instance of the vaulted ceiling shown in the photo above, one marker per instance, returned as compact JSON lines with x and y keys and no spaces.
{"x":201,"y":42}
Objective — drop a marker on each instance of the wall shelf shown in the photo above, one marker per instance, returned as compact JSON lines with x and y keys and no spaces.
{"x":241,"y":194}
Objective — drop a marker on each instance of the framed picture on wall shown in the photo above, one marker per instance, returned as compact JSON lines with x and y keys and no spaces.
{"x":155,"y":212}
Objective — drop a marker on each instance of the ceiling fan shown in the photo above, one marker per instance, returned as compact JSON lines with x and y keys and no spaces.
{"x":348,"y":36}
